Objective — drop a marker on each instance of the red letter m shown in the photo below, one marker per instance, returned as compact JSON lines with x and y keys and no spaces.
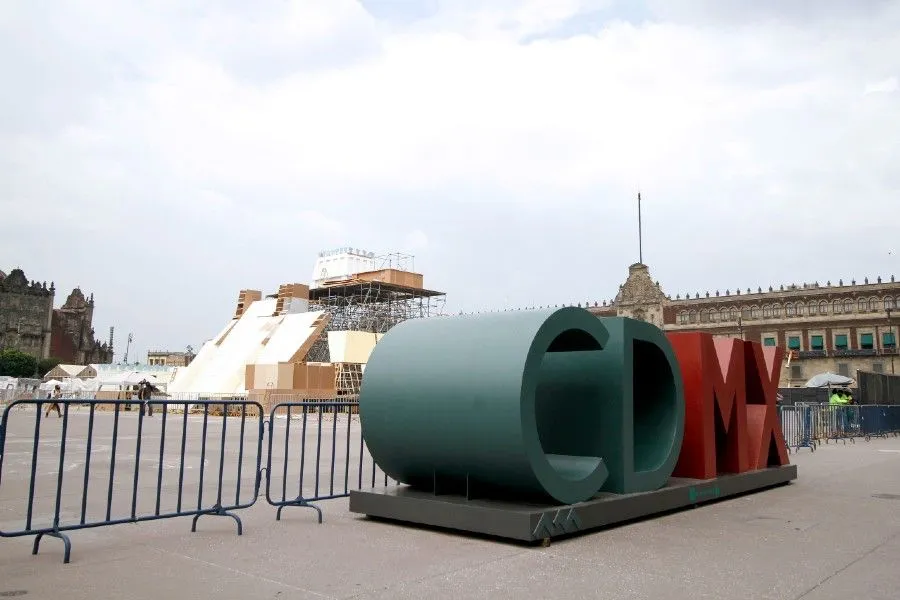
{"x":715,"y":424}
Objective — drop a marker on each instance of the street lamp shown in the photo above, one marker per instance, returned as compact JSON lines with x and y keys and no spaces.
{"x":741,"y":327}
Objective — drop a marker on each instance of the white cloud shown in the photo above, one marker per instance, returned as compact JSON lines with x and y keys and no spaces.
{"x":251,"y":137}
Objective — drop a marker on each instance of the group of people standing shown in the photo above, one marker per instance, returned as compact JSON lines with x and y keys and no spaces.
{"x":841,"y":397}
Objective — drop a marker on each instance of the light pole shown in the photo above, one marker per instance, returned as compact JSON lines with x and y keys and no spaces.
{"x":741,"y":327}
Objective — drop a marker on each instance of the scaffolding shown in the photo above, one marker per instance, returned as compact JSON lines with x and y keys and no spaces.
{"x":372,"y":306}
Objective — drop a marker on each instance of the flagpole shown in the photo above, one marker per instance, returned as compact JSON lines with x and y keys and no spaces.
{"x":640,"y":233}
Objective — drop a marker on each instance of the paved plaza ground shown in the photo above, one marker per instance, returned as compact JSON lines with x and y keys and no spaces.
{"x":834,"y":533}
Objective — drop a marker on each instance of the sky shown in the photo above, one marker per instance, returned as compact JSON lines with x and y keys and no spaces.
{"x":164,"y":155}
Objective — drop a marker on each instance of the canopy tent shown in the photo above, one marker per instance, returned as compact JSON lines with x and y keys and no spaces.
{"x":125,"y":378}
{"x":828,"y":379}
{"x":70,"y":385}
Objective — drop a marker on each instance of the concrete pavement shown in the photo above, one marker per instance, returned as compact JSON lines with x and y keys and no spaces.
{"x":835,"y":533}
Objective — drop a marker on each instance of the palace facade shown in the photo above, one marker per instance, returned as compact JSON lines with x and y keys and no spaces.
{"x":838,"y":327}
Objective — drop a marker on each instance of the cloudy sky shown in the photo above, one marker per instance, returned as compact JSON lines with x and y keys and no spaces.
{"x":164,"y":155}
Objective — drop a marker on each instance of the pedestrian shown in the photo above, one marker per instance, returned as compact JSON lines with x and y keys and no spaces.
{"x":144,"y":392}
{"x":57,"y":393}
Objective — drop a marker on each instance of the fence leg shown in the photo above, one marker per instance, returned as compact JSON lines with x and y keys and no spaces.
{"x":67,"y":544}
{"x":301,"y":503}
{"x":218,"y":511}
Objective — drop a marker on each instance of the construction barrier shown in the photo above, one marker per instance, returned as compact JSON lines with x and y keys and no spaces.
{"x":314,"y":457}
{"x":94,"y":463}
{"x":87,"y":468}
{"x":807,"y":425}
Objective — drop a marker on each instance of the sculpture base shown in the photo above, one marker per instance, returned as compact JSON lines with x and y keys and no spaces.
{"x":533,"y":522}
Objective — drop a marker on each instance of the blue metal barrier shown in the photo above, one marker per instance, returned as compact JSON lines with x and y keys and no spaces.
{"x":322,"y":460}
{"x":101,"y":433}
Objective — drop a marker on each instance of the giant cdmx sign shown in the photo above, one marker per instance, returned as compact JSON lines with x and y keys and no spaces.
{"x":561,"y":405}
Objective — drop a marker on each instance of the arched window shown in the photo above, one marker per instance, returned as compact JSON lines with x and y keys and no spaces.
{"x":776,"y":311}
{"x":767,"y":312}
{"x":713,"y":315}
{"x":790,"y":310}
{"x":801,"y":309}
{"x":734,"y":314}
{"x":888,"y":303}
{"x":746,"y":313}
{"x":693,"y":316}
{"x":682,"y":317}
{"x":873,"y":304}
{"x":823,"y":308}
{"x":837,"y":307}
{"x":862,"y":305}
{"x":848,"y":305}
{"x":704,"y":316}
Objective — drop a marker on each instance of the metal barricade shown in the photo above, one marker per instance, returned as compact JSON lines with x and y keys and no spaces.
{"x":87,"y":467}
{"x":328,"y":466}
{"x":842,"y":423}
{"x":796,"y":427}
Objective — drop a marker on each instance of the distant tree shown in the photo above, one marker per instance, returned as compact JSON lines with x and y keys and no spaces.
{"x":15,"y":363}
{"x":45,"y":365}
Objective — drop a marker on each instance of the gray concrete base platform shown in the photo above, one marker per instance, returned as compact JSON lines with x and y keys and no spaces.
{"x":533,"y":522}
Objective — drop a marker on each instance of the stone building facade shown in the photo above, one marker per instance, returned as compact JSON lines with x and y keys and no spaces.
{"x":26,"y":312}
{"x":842,"y":328}
{"x":28,"y":322}
{"x":72,"y":337}
{"x":168,"y":358}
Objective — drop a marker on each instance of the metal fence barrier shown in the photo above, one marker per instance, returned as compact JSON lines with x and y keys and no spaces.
{"x":808,"y":425}
{"x":96,"y":463}
{"x":314,"y":456}
{"x":71,"y":456}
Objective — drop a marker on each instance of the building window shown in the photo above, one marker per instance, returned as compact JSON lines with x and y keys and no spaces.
{"x":837,"y":307}
{"x":862,"y":305}
{"x":888,"y":303}
{"x":840,"y":341}
{"x":866,"y":341}
{"x":848,"y":305}
{"x":796,"y":372}
{"x":704,"y":316}
{"x":888,"y":340}
{"x":801,"y":309}
{"x":769,"y":341}
{"x":843,"y":369}
{"x":790,"y":310}
{"x":767,"y":312}
{"x":877,"y":367}
{"x":817,"y":342}
{"x":823,"y":308}
{"x":754,"y":312}
{"x":776,"y":311}
{"x":693,"y":317}
{"x":713,"y":316}
{"x":794,"y":342}
{"x":734,"y":314}
{"x":683,"y":317}
{"x":745,"y":313}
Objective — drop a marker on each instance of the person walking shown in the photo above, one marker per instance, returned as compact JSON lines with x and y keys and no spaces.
{"x":56,"y":395}
{"x":144,"y":393}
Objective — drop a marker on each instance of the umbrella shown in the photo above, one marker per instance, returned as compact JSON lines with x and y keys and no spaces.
{"x":828,"y":379}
